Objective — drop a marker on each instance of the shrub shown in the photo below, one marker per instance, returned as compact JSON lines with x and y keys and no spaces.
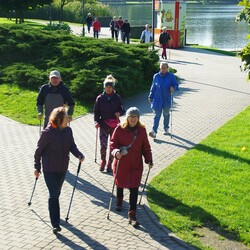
{"x":28,"y":55}
{"x":58,"y":26}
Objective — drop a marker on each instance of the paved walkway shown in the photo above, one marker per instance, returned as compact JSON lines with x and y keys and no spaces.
{"x":212,"y":91}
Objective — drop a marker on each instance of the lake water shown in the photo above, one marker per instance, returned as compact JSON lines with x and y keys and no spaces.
{"x":211,"y":25}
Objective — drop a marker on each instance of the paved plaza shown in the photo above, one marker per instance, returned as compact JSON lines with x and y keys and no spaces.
{"x":212,"y":91}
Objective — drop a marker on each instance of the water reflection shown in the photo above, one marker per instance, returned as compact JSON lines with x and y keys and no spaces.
{"x":212,"y":25}
{"x":215,"y":26}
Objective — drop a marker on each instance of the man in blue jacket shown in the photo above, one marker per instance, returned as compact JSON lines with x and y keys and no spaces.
{"x":164,"y":83}
{"x":53,"y":95}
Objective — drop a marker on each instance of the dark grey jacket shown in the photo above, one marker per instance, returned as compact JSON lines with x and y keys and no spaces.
{"x":54,"y":147}
{"x":52,"y":97}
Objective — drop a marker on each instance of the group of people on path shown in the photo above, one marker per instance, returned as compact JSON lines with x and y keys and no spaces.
{"x":121,"y":28}
{"x":129,"y":142}
{"x":118,"y":27}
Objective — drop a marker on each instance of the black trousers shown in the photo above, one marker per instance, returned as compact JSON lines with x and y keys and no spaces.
{"x":133,"y":197}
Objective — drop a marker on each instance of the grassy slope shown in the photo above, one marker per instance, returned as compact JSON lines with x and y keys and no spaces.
{"x":20,"y":105}
{"x":208,"y":186}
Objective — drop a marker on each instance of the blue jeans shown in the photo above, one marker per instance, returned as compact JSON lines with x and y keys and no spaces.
{"x":54,"y":182}
{"x":96,"y":33}
{"x":166,"y":117}
{"x":126,"y":37}
{"x":89,"y":25}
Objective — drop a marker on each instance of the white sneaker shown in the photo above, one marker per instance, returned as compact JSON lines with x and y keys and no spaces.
{"x":166,"y":131}
{"x":152,"y":134}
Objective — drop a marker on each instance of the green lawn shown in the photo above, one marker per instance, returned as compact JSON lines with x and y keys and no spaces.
{"x":20,"y":104}
{"x":208,"y":186}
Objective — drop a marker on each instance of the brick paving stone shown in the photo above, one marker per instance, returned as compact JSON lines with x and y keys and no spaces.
{"x":211,"y":93}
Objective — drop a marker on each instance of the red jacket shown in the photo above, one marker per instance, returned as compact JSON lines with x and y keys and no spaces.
{"x":96,"y":25}
{"x":131,"y":165}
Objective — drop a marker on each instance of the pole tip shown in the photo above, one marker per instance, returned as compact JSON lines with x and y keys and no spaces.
{"x":29,"y":203}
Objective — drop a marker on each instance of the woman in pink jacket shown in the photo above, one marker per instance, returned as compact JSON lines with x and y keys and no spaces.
{"x":129,"y":143}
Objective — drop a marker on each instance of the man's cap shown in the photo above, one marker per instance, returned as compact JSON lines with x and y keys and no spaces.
{"x":133,"y":111}
{"x":54,"y":73}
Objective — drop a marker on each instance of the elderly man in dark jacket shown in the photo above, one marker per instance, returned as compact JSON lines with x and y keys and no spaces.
{"x":126,"y":31}
{"x":52,"y":95}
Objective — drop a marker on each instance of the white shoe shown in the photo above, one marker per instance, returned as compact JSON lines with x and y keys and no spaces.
{"x":166,"y":131}
{"x":152,"y":134}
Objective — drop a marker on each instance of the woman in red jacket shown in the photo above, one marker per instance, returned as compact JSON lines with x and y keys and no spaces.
{"x":128,"y":144}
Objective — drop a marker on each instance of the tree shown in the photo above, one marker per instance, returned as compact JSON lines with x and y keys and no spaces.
{"x":62,"y":4}
{"x":245,"y":53}
{"x":17,"y":7}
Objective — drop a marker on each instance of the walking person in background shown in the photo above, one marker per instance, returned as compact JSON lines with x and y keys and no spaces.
{"x":164,"y":83}
{"x":120,"y":23}
{"x":53,"y":95}
{"x":89,"y":21}
{"x":146,"y":35}
{"x":107,"y":110}
{"x":96,"y":27}
{"x":128,"y":145}
{"x":164,"y":40}
{"x":114,"y":27}
{"x":53,"y":147}
{"x":125,"y":29}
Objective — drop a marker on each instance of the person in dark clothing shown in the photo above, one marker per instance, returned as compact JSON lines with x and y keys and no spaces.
{"x":114,"y":27}
{"x":89,"y":21}
{"x":108,"y":108}
{"x":53,"y":95}
{"x":126,"y":31}
{"x":164,"y":40}
{"x":53,"y":148}
{"x":129,"y":144}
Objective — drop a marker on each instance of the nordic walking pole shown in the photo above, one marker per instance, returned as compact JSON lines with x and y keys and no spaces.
{"x":40,"y":127}
{"x":111,"y":196}
{"x":78,"y":170}
{"x":29,"y":203}
{"x":171,"y":115}
{"x":144,"y":185}
{"x":96,"y":140}
{"x":169,"y":52}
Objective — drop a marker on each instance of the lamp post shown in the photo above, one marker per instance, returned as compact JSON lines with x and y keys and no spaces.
{"x":50,"y":16}
{"x":153,"y":23}
{"x":83,"y":19}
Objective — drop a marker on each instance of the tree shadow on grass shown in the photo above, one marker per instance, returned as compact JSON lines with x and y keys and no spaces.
{"x":217,"y":152}
{"x":193,"y":213}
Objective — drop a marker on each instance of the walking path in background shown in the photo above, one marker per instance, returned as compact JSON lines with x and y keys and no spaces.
{"x":212,"y":91}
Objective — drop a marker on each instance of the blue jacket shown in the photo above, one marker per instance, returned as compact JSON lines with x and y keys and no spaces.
{"x":160,"y":90}
{"x":53,"y":147}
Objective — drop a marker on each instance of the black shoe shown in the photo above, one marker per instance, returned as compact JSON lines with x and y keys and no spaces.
{"x":101,"y":169}
{"x":57,"y":229}
{"x":109,"y":170}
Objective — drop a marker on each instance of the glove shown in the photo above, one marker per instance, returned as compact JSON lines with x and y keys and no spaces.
{"x":150,"y":165}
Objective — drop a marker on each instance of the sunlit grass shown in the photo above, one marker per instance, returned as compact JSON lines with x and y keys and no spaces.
{"x":224,"y":52}
{"x":208,"y":186}
{"x":20,"y":104}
